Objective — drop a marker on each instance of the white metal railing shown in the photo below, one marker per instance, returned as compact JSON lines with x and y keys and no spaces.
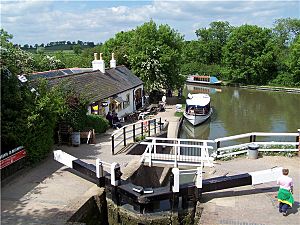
{"x":264,"y":146}
{"x":193,"y":151}
{"x":129,"y":133}
{"x":172,"y":152}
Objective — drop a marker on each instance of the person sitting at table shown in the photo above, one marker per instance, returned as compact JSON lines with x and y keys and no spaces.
{"x":109,"y":118}
{"x":115,"y":120}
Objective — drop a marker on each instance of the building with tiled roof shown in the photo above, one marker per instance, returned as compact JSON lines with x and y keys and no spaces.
{"x":116,"y":88}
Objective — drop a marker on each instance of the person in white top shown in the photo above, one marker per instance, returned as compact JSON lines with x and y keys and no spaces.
{"x":164,"y":99}
{"x":285,"y":197}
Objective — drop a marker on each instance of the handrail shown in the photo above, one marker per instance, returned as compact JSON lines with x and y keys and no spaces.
{"x":275,"y":134}
{"x":139,"y":122}
{"x":176,"y":145}
{"x":181,"y":139}
{"x":132,"y":131}
{"x":233,"y":137}
{"x":263,"y":134}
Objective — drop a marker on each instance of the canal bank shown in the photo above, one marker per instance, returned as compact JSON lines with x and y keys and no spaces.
{"x":264,"y":87}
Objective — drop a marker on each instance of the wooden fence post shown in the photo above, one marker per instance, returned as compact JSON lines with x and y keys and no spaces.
{"x":133,"y":130}
{"x":160,"y":124}
{"x":218,"y":146}
{"x":142,"y":129}
{"x":124,"y":135}
{"x":113,"y":144}
{"x":149,"y":128}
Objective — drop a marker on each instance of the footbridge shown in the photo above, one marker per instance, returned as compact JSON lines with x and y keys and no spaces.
{"x":177,"y":152}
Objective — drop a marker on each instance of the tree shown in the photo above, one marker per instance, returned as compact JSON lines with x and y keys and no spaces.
{"x":287,"y":30}
{"x":212,"y":40}
{"x":77,"y":49}
{"x":119,"y":45}
{"x":294,"y":61}
{"x":250,"y":55}
{"x":27,"y":119}
{"x":155,"y":56}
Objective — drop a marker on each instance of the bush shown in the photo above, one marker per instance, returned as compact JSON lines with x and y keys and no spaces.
{"x":140,"y":138}
{"x":97,"y":122}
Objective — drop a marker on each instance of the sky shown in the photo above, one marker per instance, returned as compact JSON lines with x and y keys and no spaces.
{"x":35,"y":22}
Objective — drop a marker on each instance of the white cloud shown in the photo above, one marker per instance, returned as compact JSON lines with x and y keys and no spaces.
{"x":43,"y":21}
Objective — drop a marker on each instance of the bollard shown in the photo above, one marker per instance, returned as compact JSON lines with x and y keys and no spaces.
{"x":100,"y":173}
{"x":253,"y":151}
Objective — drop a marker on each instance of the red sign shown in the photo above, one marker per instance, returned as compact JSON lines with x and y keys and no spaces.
{"x":13,"y":158}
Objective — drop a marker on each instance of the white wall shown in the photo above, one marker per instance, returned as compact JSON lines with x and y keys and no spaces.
{"x":129,"y":108}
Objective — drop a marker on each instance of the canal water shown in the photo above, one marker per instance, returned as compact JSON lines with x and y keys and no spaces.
{"x":237,"y":111}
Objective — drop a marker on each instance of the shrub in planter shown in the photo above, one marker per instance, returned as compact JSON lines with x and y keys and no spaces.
{"x":97,"y":122}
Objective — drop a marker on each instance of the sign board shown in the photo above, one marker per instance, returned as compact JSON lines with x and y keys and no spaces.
{"x":12,"y":156}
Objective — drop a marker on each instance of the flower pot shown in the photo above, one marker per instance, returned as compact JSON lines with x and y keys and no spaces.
{"x":76,"y":138}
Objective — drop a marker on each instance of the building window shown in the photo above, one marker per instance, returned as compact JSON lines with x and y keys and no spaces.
{"x":127,"y":102}
{"x":95,"y":108}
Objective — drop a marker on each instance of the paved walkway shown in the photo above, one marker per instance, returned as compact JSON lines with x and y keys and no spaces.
{"x":251,"y":204}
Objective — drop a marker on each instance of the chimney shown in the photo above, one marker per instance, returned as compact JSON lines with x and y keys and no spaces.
{"x":102,"y":64}
{"x":113,"y":62}
{"x":98,"y":64}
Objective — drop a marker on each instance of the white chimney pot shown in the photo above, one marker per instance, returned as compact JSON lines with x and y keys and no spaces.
{"x":113,"y":62}
{"x":98,"y":64}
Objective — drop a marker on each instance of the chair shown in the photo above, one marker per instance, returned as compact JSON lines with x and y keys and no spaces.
{"x":143,"y":115}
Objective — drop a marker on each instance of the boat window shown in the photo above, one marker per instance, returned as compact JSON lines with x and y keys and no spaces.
{"x":190,"y":109}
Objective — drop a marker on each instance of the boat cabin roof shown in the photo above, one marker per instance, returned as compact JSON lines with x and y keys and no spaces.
{"x":198,"y":99}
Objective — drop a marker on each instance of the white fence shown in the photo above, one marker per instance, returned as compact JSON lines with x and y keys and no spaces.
{"x":177,"y":155}
{"x":193,"y":152}
{"x":264,"y":146}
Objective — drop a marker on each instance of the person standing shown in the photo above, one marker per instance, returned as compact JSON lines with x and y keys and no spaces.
{"x":285,"y":192}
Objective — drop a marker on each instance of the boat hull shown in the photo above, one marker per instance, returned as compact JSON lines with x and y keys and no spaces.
{"x":197,"y":119}
{"x":203,"y":82}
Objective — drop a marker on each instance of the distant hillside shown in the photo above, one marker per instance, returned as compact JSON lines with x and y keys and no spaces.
{"x":59,"y":46}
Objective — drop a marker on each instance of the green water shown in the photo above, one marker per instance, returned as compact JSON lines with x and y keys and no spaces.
{"x":238,"y":111}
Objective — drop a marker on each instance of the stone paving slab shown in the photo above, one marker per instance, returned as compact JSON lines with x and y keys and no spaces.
{"x":251,"y":204}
